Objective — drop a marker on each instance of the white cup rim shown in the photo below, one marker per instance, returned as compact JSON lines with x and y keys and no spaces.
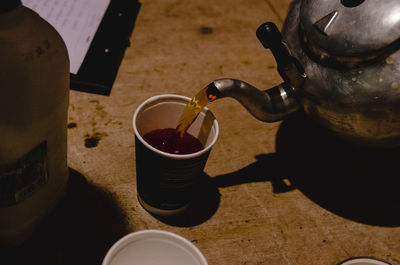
{"x":162,"y":153}
{"x":152,"y":233}
{"x":363,"y":260}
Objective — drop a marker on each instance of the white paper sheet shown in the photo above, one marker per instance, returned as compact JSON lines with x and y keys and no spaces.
{"x":75,"y":20}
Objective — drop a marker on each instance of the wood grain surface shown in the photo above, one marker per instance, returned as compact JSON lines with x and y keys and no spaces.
{"x":284,"y":193}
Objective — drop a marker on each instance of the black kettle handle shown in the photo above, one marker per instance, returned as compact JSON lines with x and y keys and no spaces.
{"x":271,"y":38}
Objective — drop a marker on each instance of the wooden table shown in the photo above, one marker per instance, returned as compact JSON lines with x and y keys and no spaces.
{"x":284,"y":193}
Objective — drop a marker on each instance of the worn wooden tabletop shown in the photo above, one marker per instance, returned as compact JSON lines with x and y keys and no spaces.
{"x":284,"y":193}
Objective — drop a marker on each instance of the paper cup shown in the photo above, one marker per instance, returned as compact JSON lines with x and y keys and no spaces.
{"x":166,"y":183}
{"x":150,"y":247}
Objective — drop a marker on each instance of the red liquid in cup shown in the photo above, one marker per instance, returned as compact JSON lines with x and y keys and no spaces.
{"x":169,"y":141}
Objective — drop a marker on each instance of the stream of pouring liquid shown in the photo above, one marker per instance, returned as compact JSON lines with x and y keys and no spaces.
{"x":193,"y":108}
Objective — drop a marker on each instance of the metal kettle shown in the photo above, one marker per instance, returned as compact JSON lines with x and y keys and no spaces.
{"x":340,"y":62}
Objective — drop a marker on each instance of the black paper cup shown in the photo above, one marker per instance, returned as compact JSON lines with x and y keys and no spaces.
{"x":166,"y":183}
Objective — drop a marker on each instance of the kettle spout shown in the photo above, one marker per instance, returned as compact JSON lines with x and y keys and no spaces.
{"x":269,"y":106}
{"x":277,"y":102}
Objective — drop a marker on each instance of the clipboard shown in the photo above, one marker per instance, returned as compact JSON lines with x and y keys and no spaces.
{"x":103,"y":58}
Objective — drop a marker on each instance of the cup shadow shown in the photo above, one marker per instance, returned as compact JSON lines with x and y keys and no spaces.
{"x":207,"y":197}
{"x":80,"y":230}
{"x":204,"y":205}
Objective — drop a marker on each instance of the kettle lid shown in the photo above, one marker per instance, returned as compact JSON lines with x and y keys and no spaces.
{"x":350,"y":28}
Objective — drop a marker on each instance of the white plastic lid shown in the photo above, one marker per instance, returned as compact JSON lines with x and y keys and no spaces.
{"x":154,"y":247}
{"x":363,"y":261}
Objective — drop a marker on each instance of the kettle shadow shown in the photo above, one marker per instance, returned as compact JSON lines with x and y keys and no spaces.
{"x":80,"y":230}
{"x":354,"y":182}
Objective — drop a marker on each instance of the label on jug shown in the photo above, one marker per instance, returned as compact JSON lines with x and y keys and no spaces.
{"x":23,"y":178}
